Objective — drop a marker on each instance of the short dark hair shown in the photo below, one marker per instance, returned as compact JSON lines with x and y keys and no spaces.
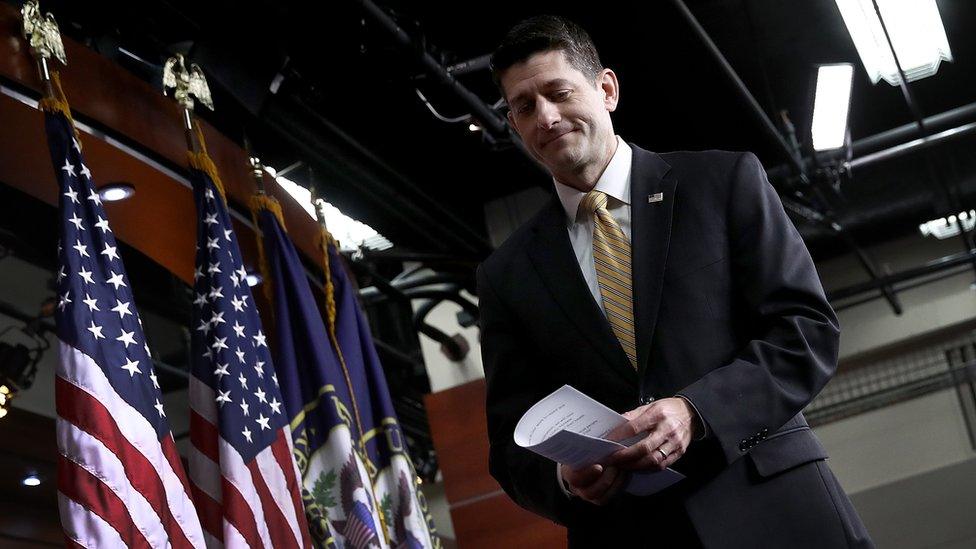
{"x":541,"y":34}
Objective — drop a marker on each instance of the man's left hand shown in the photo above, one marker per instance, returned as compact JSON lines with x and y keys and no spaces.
{"x":668,"y":425}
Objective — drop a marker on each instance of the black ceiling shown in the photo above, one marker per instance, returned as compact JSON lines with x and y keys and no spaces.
{"x":348,"y":105}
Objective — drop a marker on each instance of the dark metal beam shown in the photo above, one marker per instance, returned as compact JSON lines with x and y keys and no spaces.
{"x":492,"y":121}
{"x":932,"y":267}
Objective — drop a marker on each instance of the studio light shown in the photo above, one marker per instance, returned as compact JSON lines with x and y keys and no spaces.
{"x":916,"y":31}
{"x":831,"y":107}
{"x":113,"y":192}
{"x":472,"y":127}
{"x":31,"y":480}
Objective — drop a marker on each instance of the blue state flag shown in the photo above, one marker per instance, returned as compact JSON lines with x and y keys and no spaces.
{"x":339,"y":499}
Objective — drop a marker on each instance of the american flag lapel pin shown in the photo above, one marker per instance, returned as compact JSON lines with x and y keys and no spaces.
{"x":656,"y":197}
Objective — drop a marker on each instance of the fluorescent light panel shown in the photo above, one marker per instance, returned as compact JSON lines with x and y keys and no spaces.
{"x":943,"y":228}
{"x":831,"y":106}
{"x":916,"y":31}
{"x":350,"y":233}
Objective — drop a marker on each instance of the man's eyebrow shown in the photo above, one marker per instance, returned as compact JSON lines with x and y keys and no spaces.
{"x":554,"y":83}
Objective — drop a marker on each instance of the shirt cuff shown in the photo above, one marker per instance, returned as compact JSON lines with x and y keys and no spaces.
{"x":702,"y":428}
{"x":562,"y":483}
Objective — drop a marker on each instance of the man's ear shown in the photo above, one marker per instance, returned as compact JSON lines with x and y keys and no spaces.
{"x":607,"y":82}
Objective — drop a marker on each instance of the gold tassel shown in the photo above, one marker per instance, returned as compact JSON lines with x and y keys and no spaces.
{"x":258,"y":202}
{"x":202,"y":161}
{"x":59,"y":104}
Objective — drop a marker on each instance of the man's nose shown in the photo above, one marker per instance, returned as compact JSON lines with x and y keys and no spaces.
{"x":548,"y":115}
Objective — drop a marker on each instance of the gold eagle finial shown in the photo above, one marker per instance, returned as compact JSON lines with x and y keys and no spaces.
{"x":42,"y":33}
{"x":186,"y":83}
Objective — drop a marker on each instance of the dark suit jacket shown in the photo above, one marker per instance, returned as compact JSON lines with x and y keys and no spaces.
{"x":729,"y":312}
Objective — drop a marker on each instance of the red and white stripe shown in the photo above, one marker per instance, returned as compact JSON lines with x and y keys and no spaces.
{"x":255,"y":504}
{"x":117,"y":481}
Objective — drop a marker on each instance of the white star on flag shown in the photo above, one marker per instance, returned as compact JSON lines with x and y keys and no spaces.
{"x":127,"y":338}
{"x":247,"y":434}
{"x":131,"y":366}
{"x":221,"y":370}
{"x":223,"y":396}
{"x":275,"y":406}
{"x":86,"y":276}
{"x":77,"y":221}
{"x":260,"y":394}
{"x":116,"y":280}
{"x":82,"y":249}
{"x":69,"y":169}
{"x":91,"y":302}
{"x":96,"y":331}
{"x":93,"y":196}
{"x":122,"y":308}
{"x":103,"y":225}
{"x":259,"y":340}
{"x":64,"y":301}
{"x":86,"y":172}
{"x":73,"y":195}
{"x":159,"y":408}
{"x":110,"y":252}
{"x":263,"y":421}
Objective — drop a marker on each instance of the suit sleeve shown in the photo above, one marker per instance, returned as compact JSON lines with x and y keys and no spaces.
{"x":792,"y":349}
{"x":513,"y":386}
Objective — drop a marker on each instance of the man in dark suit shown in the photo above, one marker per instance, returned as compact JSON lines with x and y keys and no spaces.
{"x":674,"y":289}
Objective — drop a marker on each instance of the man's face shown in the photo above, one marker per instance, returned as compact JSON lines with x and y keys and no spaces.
{"x":562,"y":115}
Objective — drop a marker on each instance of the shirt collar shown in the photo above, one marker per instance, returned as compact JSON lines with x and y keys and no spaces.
{"x":615,"y":182}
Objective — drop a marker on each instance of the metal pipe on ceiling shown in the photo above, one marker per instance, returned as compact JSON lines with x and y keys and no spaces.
{"x":932,"y":267}
{"x":492,"y":121}
{"x":899,"y":137}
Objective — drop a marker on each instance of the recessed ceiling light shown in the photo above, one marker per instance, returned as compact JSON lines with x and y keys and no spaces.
{"x":113,"y":192}
{"x":31,"y":480}
{"x":253,"y":279}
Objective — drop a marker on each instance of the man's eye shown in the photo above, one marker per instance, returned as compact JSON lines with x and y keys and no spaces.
{"x":524,"y":108}
{"x":562,"y":95}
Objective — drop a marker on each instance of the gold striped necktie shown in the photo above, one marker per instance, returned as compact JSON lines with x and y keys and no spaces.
{"x":611,"y":256}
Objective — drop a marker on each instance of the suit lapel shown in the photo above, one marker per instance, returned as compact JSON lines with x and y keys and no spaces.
{"x":650,"y":239}
{"x":552,"y":255}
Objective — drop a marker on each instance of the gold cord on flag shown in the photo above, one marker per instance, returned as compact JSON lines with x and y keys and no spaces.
{"x":202,"y":161}
{"x":258,"y":202}
{"x":58,"y":103}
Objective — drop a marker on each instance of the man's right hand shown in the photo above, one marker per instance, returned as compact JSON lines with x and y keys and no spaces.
{"x":594,"y":483}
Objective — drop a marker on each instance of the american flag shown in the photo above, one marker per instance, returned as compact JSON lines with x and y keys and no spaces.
{"x":245,"y":479}
{"x":120,"y":479}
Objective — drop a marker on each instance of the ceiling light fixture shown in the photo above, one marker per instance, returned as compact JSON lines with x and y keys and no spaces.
{"x":253,"y":279}
{"x":831,"y":107}
{"x":947,"y":227}
{"x":113,"y":192}
{"x":916,"y":31}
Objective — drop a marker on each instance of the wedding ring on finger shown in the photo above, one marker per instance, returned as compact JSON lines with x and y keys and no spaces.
{"x":664,"y":455}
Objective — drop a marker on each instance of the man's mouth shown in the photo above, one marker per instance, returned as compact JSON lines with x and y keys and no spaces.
{"x":545,"y":143}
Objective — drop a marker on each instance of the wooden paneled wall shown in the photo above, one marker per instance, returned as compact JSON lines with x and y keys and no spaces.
{"x":483,"y":515}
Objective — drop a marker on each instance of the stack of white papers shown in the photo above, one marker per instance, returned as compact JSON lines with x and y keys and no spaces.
{"x":569,"y":427}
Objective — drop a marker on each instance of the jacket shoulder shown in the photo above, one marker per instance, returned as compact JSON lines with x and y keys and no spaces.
{"x":512,"y":249}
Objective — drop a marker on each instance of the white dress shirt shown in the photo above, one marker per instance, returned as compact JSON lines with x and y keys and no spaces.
{"x":615,"y":182}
